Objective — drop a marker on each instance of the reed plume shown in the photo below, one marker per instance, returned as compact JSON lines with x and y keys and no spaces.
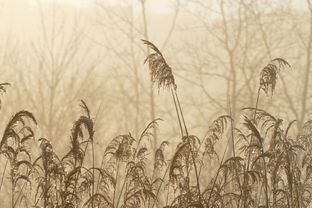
{"x":160,"y":71}
{"x":269,"y":74}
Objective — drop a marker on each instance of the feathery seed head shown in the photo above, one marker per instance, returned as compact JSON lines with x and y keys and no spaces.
{"x":161,"y":72}
{"x":268,"y":76}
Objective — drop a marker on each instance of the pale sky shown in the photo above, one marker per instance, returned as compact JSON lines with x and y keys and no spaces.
{"x":157,"y":5}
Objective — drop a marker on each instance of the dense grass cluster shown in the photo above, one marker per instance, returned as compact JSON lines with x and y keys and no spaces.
{"x":262,"y":162}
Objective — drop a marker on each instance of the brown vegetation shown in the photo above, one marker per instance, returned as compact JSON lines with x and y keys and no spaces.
{"x":269,"y":167}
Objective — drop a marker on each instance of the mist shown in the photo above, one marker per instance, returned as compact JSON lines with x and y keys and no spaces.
{"x":146,"y":103}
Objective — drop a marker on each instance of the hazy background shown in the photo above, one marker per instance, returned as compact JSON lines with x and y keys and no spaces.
{"x":55,"y":53}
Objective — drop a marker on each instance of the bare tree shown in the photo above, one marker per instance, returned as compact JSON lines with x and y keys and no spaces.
{"x":130,"y":26}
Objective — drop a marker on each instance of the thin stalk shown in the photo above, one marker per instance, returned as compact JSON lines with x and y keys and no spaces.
{"x":116,"y":184}
{"x":21,"y":190}
{"x":192,"y":152}
{"x":248,"y":160}
{"x":81,"y":165}
{"x":161,"y":182}
{"x":177,"y":97}
{"x":218,"y":171}
{"x":152,"y":97}
{"x":234,"y":155}
{"x":257,"y":101}
{"x":39,"y":198}
{"x":176,"y":108}
{"x":45,"y":194}
{"x":167,"y":197}
{"x":266,"y":182}
{"x":20,"y":193}
{"x":123,"y":186}
{"x":6,"y":164}
{"x":259,"y":198}
{"x":232,"y":132}
{"x":92,"y":147}
{"x":196,"y":172}
{"x":100,"y":177}
{"x":262,"y":149}
{"x":12,"y":188}
{"x":201,"y":165}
